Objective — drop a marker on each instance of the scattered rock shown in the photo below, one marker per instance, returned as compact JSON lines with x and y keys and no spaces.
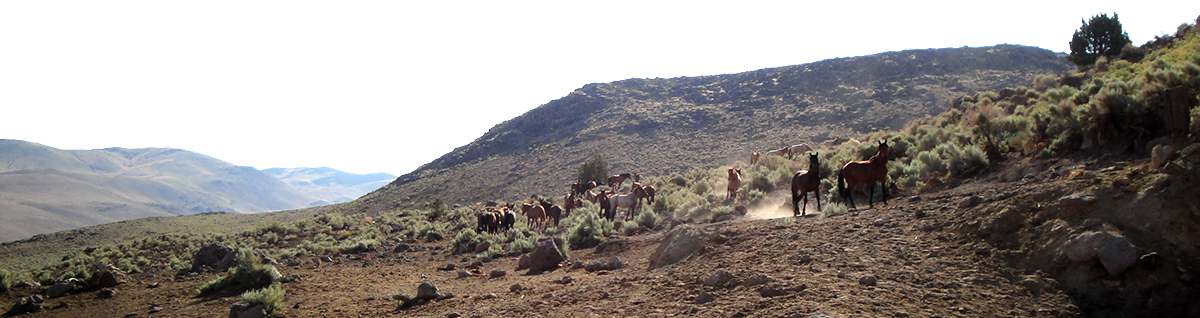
{"x":718,"y":278}
{"x":453,"y":315}
{"x":447,"y":267}
{"x":61,"y":288}
{"x":969,"y":202}
{"x":26,"y":304}
{"x":610,"y":246}
{"x":703,"y":298}
{"x":109,"y":276}
{"x":489,"y":296}
{"x":523,"y":262}
{"x":775,"y":290}
{"x":679,"y":243}
{"x":1160,"y":155}
{"x":545,"y":256}
{"x":293,"y":262}
{"x":566,"y":279}
{"x":1076,"y":200}
{"x":428,"y":291}
{"x":290,"y":278}
{"x":1114,"y":251}
{"x":516,"y":288}
{"x":240,"y":310}
{"x":155,"y":308}
{"x":868,"y":280}
{"x":879,"y":222}
{"x":482,"y":247}
{"x":599,"y":264}
{"x":462,"y":273}
{"x":914,"y":199}
{"x":106,"y":293}
{"x":757,"y":279}
{"x":497,"y":273}
{"x":219,"y":257}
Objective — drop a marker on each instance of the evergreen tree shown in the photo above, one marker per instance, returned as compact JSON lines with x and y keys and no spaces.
{"x":593,"y":170}
{"x":1100,"y":36}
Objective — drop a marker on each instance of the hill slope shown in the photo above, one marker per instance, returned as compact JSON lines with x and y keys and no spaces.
{"x":43,"y":189}
{"x":661,"y":126}
{"x":330,"y":185}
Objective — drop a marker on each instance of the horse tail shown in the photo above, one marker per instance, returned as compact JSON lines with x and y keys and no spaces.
{"x":841,"y":185}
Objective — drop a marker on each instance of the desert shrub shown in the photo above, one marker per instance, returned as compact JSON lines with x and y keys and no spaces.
{"x":464,"y":238}
{"x":701,"y":188}
{"x":437,"y":209}
{"x":404,"y":298}
{"x":588,"y":231}
{"x":358,"y":246}
{"x":523,"y":243}
{"x":628,"y":228}
{"x":1044,"y":82}
{"x":718,"y":212}
{"x":833,"y":209}
{"x":248,"y":274}
{"x":679,"y":180}
{"x":762,"y":183}
{"x":647,"y":219}
{"x":5,"y":280}
{"x":270,"y":298}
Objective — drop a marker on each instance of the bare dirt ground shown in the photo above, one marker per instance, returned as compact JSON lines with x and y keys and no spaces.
{"x":915,"y":257}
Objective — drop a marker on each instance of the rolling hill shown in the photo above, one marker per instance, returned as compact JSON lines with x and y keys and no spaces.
{"x":330,"y":185}
{"x":663,"y":126}
{"x":43,"y":189}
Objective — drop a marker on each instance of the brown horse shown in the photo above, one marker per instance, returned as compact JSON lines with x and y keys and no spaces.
{"x":536,"y":214}
{"x":754,"y":158}
{"x":639,"y":192}
{"x":579,"y":188}
{"x":605,"y":206}
{"x":649,"y":193}
{"x":735,"y":183}
{"x":553,"y":212}
{"x":570,"y":202}
{"x":804,"y":182}
{"x":618,"y":180}
{"x":508,"y":217}
{"x":868,"y":172}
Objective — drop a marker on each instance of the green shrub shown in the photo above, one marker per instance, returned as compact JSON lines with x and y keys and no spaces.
{"x":464,"y":238}
{"x":833,"y":209}
{"x":647,"y":219}
{"x":589,"y":231}
{"x":359,"y":246}
{"x":762,"y":183}
{"x":270,"y":298}
{"x":248,"y":274}
{"x":5,"y":280}
{"x":523,"y":243}
{"x":629,"y":228}
{"x":595,"y":169}
{"x":404,"y":298}
{"x":679,"y":180}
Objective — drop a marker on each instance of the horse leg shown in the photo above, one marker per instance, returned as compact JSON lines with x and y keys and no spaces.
{"x":817,"y":194}
{"x":795,"y":203}
{"x":871,"y":196}
{"x":804,"y":194}
{"x":883,"y":184}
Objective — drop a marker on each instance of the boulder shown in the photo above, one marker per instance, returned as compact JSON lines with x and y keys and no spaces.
{"x":718,"y":278}
{"x":109,"y":276}
{"x":462,"y":273}
{"x":545,"y":256}
{"x":523,"y":262}
{"x":217,"y":256}
{"x":757,"y":279}
{"x":482,"y":247}
{"x":969,"y":202}
{"x":497,"y":273}
{"x":428,"y":291}
{"x":1114,"y":251}
{"x":61,"y":288}
{"x":868,"y":280}
{"x":703,"y":298}
{"x":1077,"y":200}
{"x":106,"y":293}
{"x":679,"y":243}
{"x":1160,"y":155}
{"x":599,"y":264}
{"x":26,"y":304}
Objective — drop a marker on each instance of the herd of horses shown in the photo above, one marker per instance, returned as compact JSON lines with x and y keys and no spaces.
{"x":543,"y":213}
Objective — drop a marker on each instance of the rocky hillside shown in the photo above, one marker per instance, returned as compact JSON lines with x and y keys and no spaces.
{"x":43,"y":189}
{"x":663,"y":126}
{"x":330,"y":185}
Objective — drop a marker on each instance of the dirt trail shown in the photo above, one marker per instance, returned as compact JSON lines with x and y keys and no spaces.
{"x":778,"y":205}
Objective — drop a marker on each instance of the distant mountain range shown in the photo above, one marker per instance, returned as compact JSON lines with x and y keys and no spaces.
{"x":330,"y":185}
{"x":44,"y":189}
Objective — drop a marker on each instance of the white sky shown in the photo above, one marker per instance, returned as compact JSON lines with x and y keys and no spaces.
{"x":385,"y":86}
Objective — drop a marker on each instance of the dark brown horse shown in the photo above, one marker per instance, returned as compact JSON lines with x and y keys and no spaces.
{"x":868,"y":172}
{"x":508,"y":218}
{"x":618,"y":180}
{"x":553,"y":212}
{"x":605,"y":205}
{"x":804,"y":182}
{"x":579,"y":188}
{"x":570,"y":202}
